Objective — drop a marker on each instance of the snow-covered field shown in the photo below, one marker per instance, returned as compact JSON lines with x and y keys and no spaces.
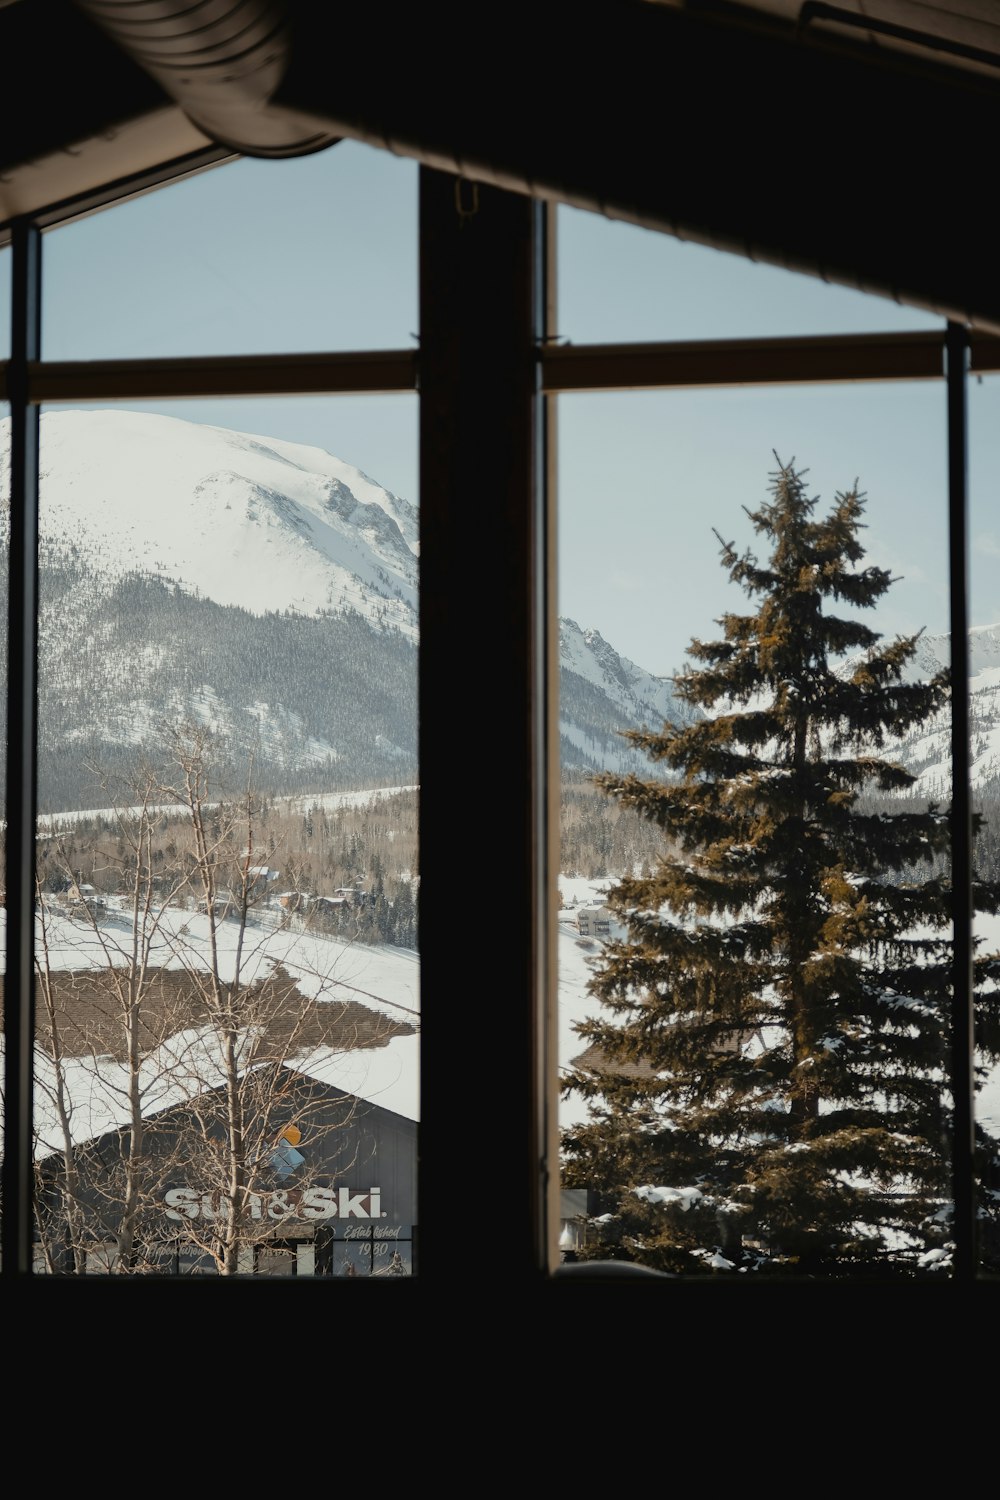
{"x":328,"y":970}
{"x":54,"y":823}
{"x":383,"y":979}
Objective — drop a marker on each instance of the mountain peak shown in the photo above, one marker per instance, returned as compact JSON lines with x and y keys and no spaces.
{"x":268,"y":525}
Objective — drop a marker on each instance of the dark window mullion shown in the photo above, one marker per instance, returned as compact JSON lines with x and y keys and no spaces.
{"x":22,"y":636}
{"x":962,"y":1028}
{"x":546,"y":747}
{"x":479,"y":553}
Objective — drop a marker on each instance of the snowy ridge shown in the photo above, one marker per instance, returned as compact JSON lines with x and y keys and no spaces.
{"x":589,"y":655}
{"x":602,"y":693}
{"x":140,"y":509}
{"x":176,"y":559}
{"x":239,"y":519}
{"x":926,"y":752}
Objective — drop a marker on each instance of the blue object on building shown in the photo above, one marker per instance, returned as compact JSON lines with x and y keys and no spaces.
{"x":285,"y":1158}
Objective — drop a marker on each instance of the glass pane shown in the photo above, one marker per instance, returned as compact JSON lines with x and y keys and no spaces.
{"x":5,"y":264}
{"x":984,"y":667}
{"x":5,"y":438}
{"x":228,"y":981}
{"x":619,"y":283}
{"x":251,"y":257}
{"x":755,"y":924}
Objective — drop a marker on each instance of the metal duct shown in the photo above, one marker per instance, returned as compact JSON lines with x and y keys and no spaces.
{"x":222,"y":62}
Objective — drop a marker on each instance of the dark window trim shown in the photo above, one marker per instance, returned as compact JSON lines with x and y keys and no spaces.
{"x":487,"y":367}
{"x":563,"y":368}
{"x":383,"y":372}
{"x":824,"y":358}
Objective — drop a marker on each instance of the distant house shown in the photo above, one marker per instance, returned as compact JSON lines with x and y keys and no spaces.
{"x":599,"y":922}
{"x":80,"y":891}
{"x":352,"y":895}
{"x":81,"y":899}
{"x":327,"y":907}
{"x":224,"y":903}
{"x":260,"y":879}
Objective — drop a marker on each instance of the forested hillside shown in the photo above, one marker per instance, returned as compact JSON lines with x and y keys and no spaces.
{"x":303,"y":849}
{"x":321,"y":702}
{"x":316,"y":847}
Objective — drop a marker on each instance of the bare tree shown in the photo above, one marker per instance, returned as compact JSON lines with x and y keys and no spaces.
{"x":189,"y":1033}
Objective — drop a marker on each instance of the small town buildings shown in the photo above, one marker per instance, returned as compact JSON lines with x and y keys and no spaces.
{"x":292,"y":901}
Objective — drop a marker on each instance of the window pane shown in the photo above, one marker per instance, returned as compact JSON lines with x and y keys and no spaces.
{"x":228,"y":981}
{"x":619,"y":283}
{"x":5,"y":262}
{"x":5,"y":437}
{"x":984,"y":660}
{"x":770,"y":965}
{"x":316,"y":253}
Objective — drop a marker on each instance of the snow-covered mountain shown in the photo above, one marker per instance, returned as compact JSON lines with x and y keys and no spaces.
{"x":264,"y":589}
{"x":248,"y":521}
{"x":269,"y":591}
{"x":927,"y":751}
{"x":601,"y":693}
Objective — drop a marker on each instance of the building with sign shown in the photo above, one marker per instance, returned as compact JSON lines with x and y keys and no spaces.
{"x":328,"y":1188}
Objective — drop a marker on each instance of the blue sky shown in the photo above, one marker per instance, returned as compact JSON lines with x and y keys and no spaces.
{"x":320,"y":252}
{"x":646,"y":477}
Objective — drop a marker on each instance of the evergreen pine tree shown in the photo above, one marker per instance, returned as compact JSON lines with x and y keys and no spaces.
{"x":767,"y":1085}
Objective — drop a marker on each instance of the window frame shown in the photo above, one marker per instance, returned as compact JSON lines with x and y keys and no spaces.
{"x":488,"y":372}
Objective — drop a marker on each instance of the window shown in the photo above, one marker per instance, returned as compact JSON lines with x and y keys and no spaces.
{"x":488,"y":364}
{"x":242,"y":511}
{"x":640,"y":469}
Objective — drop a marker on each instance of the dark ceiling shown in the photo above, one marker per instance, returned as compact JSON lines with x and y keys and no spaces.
{"x":854,"y":141}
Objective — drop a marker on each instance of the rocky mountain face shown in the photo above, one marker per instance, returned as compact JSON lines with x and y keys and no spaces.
{"x":601,"y":693}
{"x":263,"y":590}
{"x":926,"y":751}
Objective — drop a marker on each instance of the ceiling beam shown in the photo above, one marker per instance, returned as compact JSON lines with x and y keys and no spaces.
{"x":847,"y":163}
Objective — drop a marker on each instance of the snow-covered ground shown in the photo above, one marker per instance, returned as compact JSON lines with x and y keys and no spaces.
{"x":384,"y":979}
{"x":53,"y":823}
{"x":328,"y":970}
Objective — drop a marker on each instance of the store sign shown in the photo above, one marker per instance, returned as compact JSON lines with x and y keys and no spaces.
{"x":288,"y":1203}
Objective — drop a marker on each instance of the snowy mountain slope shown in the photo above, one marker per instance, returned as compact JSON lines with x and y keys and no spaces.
{"x":926,"y":752}
{"x":601,"y":693}
{"x":243,"y":520}
{"x":263,"y":589}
